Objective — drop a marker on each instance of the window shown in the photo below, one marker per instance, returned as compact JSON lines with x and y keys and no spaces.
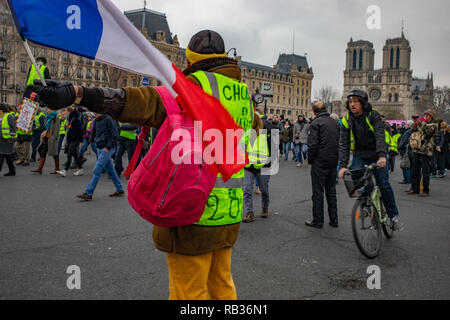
{"x":97,"y":74}
{"x":396,"y":97}
{"x":4,"y":98}
{"x":53,"y":55}
{"x":360,"y":59}
{"x":124,"y":83}
{"x":66,"y":71}
{"x":391,"y":64}
{"x":66,"y":56}
{"x":397,"y":59}
{"x":289,"y":112}
{"x":88,"y":74}
{"x":4,"y":81}
{"x":23,"y":67}
{"x":80,"y":73}
{"x":104,"y":77}
{"x":5,"y":32}
{"x":390,"y":97}
{"x":354,"y":60}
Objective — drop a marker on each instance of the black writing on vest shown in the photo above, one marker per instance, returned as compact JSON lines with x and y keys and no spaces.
{"x":235,"y":92}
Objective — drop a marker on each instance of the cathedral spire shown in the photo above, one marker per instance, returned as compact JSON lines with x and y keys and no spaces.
{"x":403,"y":25}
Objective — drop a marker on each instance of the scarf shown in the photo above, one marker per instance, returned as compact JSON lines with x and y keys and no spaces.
{"x":50,"y":117}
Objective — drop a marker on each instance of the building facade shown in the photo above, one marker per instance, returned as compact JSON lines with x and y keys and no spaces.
{"x":291,"y":76}
{"x":392,"y":89}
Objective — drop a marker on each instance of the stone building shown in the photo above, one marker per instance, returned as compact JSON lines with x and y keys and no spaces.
{"x":291,"y":76}
{"x":392,"y":89}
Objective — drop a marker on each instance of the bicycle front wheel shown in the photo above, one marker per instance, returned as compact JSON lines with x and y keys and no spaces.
{"x":387,"y":224}
{"x":366,"y":230}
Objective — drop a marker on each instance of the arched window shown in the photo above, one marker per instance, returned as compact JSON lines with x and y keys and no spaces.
{"x":397,"y":58}
{"x":354,"y":60}
{"x":396,"y":97}
{"x":391,"y":65}
{"x":390,"y":97}
{"x":360,"y":59}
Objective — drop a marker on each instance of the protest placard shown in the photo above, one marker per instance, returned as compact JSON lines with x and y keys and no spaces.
{"x":26,"y":116}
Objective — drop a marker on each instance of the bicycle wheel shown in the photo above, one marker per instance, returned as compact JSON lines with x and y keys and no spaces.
{"x":366,"y":230}
{"x":387,"y":224}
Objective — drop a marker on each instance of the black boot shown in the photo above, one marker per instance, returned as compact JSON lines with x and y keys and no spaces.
{"x":10,"y":174}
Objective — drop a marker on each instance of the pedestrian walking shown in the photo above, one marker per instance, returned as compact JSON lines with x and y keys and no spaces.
{"x":87,"y":131}
{"x":298,"y":127}
{"x":286,"y":138}
{"x":323,"y":154}
{"x":198,"y":255}
{"x":73,"y":139}
{"x":422,"y":144}
{"x":442,"y":150}
{"x":37,"y":129}
{"x":304,"y":141}
{"x":105,"y":135}
{"x":127,"y":142}
{"x":8,"y":134}
{"x":405,"y":151}
{"x":49,"y":139}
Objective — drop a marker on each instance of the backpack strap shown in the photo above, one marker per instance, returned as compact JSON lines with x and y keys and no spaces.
{"x":137,"y":151}
{"x":169,"y":102}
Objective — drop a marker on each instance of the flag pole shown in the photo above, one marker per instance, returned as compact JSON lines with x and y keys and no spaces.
{"x":27,"y":47}
{"x":33,"y":61}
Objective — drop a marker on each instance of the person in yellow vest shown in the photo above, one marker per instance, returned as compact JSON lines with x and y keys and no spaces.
{"x":259,"y":157}
{"x":37,"y":129}
{"x":199,"y":255}
{"x":33,"y":74}
{"x":23,"y":144}
{"x":127,"y":142}
{"x":7,"y":136}
{"x":393,"y":152}
{"x":62,"y":127}
{"x":363,"y":133}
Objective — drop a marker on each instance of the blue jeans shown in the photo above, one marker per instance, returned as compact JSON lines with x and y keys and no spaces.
{"x":60,"y":141}
{"x":298,"y":152}
{"x":305,"y":151}
{"x":407,"y":175}
{"x":84,"y":147}
{"x":263,"y":182}
{"x":124,"y":145}
{"x":286,"y":148}
{"x":104,"y":162}
{"x":382,"y":178}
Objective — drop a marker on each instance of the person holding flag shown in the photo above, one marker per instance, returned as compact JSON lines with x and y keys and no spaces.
{"x":199,"y":255}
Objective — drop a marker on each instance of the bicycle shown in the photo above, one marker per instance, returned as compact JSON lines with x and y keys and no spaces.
{"x":369,"y":216}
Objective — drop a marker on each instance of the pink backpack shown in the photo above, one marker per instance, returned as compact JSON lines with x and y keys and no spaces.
{"x":171,"y":193}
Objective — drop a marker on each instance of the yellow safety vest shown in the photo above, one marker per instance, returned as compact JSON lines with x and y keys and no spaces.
{"x":344,"y":120}
{"x":36,"y":120}
{"x":131,"y":135}
{"x":34,"y":75}
{"x":258,"y":152}
{"x":225,"y":203}
{"x":6,"y":130}
{"x":62,"y":127}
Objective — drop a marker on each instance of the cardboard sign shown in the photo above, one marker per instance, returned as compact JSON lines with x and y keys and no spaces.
{"x":27,"y":114}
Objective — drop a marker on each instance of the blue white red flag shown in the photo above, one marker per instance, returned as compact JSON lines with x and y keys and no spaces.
{"x":98,"y":30}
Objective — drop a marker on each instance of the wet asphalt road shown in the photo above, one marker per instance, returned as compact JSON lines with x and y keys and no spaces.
{"x":44,"y":229}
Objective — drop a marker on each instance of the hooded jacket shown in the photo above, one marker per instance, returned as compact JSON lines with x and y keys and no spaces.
{"x":368,"y":145}
{"x":75,"y":132}
{"x":121,"y":104}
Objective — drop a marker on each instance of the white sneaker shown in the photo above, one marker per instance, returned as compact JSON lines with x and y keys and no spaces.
{"x":62,"y":173}
{"x":79,"y":172}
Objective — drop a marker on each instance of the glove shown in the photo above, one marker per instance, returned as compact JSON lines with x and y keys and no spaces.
{"x":56,"y":95}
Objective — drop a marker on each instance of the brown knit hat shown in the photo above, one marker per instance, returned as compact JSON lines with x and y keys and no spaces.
{"x":205,"y":44}
{"x":431,"y":112}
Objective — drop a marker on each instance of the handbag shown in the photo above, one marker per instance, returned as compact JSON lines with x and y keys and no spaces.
{"x":405,"y":163}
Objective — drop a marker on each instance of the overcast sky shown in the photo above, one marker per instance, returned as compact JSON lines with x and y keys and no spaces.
{"x":261,"y":30}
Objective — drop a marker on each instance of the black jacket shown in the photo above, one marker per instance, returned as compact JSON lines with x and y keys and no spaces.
{"x":368,"y":145}
{"x":104,"y":132}
{"x":323,"y":141}
{"x":75,"y":131}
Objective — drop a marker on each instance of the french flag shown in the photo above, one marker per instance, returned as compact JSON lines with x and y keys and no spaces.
{"x":98,"y":30}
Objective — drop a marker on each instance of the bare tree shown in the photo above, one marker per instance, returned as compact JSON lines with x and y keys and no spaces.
{"x":441,"y":102}
{"x":327,"y":95}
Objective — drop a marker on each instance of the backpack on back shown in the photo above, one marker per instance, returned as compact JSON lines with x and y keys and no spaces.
{"x":171,"y":185}
{"x":415,"y":141}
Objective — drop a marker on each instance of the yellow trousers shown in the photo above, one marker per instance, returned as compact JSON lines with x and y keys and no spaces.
{"x":203,"y":277}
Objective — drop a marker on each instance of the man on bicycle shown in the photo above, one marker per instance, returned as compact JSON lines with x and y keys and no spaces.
{"x":363,"y":133}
